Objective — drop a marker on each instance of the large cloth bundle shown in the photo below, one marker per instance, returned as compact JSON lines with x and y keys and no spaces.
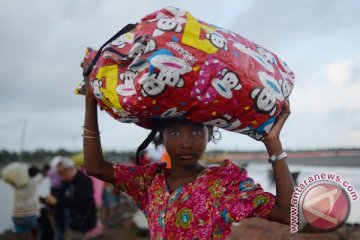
{"x":16,"y":174}
{"x":172,"y":65}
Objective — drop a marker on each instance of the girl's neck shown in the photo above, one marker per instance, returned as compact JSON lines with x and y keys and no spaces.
{"x":185,"y":171}
{"x":180,"y":176}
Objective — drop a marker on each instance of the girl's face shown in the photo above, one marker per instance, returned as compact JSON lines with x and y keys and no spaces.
{"x":185,"y":142}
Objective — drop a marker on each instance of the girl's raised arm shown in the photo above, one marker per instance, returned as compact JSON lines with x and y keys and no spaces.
{"x":283,"y":179}
{"x":94,"y":161}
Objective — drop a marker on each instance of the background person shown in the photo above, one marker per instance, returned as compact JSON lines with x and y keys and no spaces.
{"x":25,"y":206}
{"x":77,"y":199}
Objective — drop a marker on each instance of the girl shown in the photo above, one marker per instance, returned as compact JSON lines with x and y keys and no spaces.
{"x":190,"y":201}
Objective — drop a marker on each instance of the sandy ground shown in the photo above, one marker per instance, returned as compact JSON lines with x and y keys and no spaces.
{"x":252,"y":229}
{"x":249,"y":229}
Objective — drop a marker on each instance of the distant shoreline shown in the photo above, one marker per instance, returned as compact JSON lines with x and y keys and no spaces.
{"x":332,"y":157}
{"x":336,"y":158}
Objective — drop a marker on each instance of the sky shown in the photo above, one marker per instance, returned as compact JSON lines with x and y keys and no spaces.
{"x":42,"y":44}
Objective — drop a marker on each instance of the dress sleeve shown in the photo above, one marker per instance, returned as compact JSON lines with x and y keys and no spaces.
{"x":135,"y":180}
{"x":243,"y":197}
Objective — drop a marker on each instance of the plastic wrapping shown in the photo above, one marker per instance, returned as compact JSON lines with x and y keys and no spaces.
{"x":172,"y":65}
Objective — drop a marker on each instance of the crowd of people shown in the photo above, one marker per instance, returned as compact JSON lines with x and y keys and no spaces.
{"x":74,"y":207}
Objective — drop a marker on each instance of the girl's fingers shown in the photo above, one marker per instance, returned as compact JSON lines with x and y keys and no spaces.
{"x":281,"y":119}
{"x":85,"y":65}
{"x":284,"y":115}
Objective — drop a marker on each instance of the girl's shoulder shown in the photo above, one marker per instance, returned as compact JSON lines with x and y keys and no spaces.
{"x":227,"y":171}
{"x":226,"y":166}
{"x":152,"y":168}
{"x":127,"y":174}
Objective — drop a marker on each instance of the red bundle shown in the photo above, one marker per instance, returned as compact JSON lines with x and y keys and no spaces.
{"x":171,"y":65}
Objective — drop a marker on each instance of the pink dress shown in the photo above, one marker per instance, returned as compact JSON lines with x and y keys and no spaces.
{"x":203,"y":209}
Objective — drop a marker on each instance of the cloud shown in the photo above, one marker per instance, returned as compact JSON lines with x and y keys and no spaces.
{"x":344,"y":72}
{"x":280,"y":24}
{"x":43,"y":42}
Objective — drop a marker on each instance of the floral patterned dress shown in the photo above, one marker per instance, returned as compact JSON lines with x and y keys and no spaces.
{"x":203,"y":209}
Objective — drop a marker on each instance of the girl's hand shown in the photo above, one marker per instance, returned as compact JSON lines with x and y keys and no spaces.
{"x":85,"y":66}
{"x":88,"y":91}
{"x":274,"y":133}
{"x":272,"y":140}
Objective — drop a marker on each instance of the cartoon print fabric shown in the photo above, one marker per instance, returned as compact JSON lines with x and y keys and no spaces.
{"x":172,"y":65}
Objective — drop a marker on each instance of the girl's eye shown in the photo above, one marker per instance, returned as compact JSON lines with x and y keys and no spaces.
{"x":198,"y":132}
{"x":174,"y":133}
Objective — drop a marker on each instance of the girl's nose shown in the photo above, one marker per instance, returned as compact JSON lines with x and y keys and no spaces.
{"x":186,"y":140}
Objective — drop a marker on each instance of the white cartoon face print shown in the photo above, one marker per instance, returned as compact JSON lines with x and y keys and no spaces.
{"x":170,"y":78}
{"x":258,"y":133}
{"x":265,"y":98}
{"x":140,"y":48}
{"x":224,"y":123}
{"x":262,"y":60}
{"x":287,"y":74}
{"x":121,"y":41}
{"x":228,"y":82}
{"x":169,"y":24}
{"x":170,"y":63}
{"x":286,"y":88}
{"x":214,"y":80}
{"x":251,"y":132}
{"x":217,"y":40}
{"x":172,"y":113}
{"x":255,"y":135}
{"x":151,"y":86}
{"x":136,"y":50}
{"x":96,"y":84}
{"x":125,"y":116}
{"x":156,"y":83}
{"x":285,"y":67}
{"x":266,"y":54}
{"x":165,"y":70}
{"x":272,"y":84}
{"x":230,"y":79}
{"x":127,"y":89}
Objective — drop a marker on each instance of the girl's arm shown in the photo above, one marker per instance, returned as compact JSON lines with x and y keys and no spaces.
{"x":94,"y":161}
{"x":283,"y":179}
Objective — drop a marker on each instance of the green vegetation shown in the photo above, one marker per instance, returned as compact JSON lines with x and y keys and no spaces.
{"x":41,"y":155}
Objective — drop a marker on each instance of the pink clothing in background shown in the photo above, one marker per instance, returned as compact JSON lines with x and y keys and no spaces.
{"x":55,"y":179}
{"x":98,"y":190}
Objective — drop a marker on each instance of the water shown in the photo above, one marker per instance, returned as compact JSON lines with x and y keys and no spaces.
{"x":259,"y":172}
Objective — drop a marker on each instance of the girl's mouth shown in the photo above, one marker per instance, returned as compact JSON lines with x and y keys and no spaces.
{"x":187,"y":156}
